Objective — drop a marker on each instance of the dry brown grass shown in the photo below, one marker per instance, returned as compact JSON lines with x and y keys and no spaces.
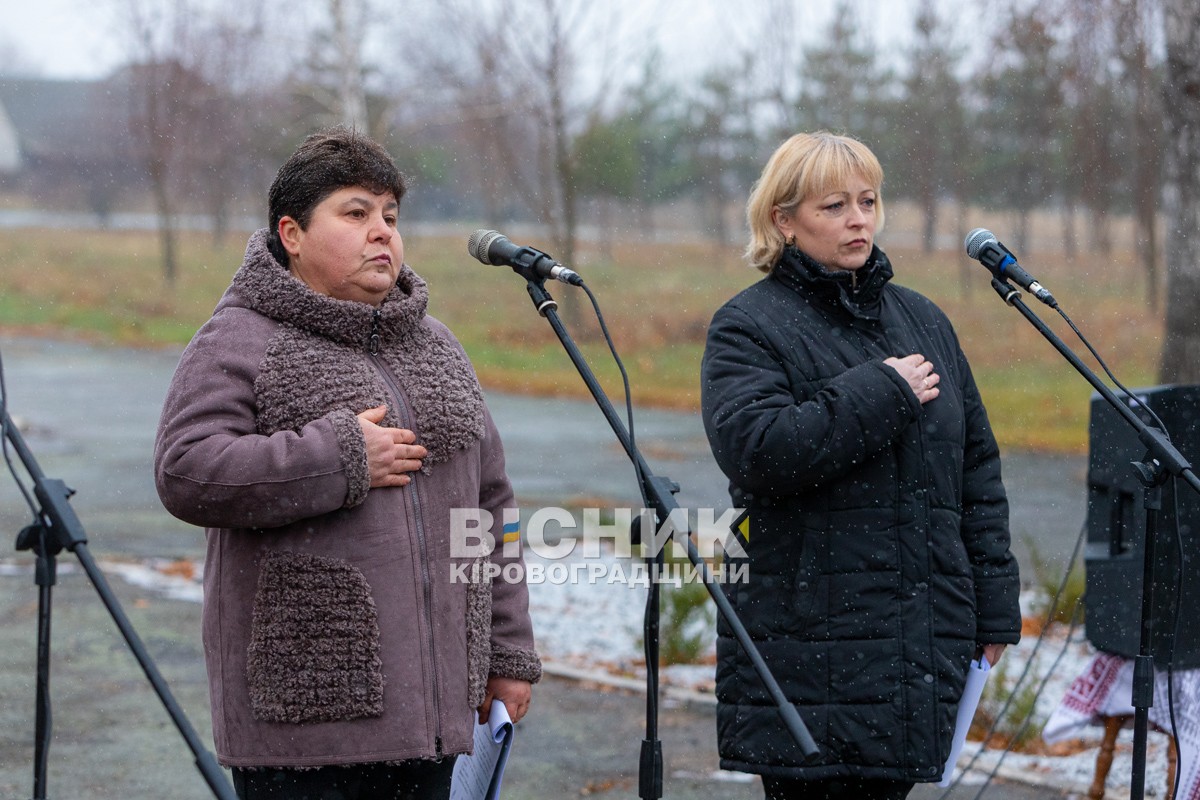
{"x":657,"y":299}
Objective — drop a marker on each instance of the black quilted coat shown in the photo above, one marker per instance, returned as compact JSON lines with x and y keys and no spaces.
{"x":879,"y":546}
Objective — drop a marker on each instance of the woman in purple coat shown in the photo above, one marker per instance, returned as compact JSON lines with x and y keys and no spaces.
{"x":322,"y":428}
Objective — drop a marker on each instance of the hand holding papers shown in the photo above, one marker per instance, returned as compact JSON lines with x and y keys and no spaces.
{"x":478,"y":776}
{"x":976,"y":678}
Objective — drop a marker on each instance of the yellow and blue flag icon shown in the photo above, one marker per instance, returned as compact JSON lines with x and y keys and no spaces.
{"x":512,"y":531}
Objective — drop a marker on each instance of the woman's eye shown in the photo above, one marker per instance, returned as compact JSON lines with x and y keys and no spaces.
{"x":835,"y":206}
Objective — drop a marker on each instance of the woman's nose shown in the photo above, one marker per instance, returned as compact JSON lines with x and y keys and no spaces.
{"x":382,"y":230}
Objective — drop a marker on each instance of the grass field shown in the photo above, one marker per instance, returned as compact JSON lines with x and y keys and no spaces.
{"x":657,"y":300}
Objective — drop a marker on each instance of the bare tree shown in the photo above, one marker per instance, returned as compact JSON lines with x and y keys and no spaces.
{"x":776,"y":63}
{"x":1089,"y":125}
{"x":844,"y":80}
{"x":332,"y":73}
{"x":1181,"y":346}
{"x":1134,"y":20}
{"x":182,"y":122}
{"x":483,"y":97}
{"x":932,"y":121}
{"x":552,"y":70}
{"x":220,"y":163}
{"x":348,"y":33}
{"x":157,"y":102}
{"x":530,"y":74}
{"x":721,"y":143}
{"x":1017,"y":131}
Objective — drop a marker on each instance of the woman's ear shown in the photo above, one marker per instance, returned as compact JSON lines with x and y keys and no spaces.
{"x":783,"y":222}
{"x":290,"y":234}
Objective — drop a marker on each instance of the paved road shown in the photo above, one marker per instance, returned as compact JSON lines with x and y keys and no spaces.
{"x":114,"y":740}
{"x":91,"y":412}
{"x":89,"y":415}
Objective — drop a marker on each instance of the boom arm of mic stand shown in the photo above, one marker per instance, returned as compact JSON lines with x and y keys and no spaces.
{"x":63,"y":526}
{"x":664,"y":502}
{"x":1166,"y":460}
{"x":1156,"y":442}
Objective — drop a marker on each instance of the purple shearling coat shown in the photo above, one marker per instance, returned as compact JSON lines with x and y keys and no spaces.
{"x":338,"y":628}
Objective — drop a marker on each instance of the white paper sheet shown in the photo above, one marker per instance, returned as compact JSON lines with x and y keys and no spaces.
{"x":976,"y":678}
{"x":478,"y":776}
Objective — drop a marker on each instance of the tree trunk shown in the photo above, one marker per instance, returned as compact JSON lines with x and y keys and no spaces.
{"x":1147,"y":245}
{"x":1070,"y":242}
{"x":966,"y":266}
{"x":607,"y":229}
{"x":645,"y":217}
{"x":929,"y":230}
{"x":220,"y":217}
{"x":564,"y":173}
{"x":1132,"y":16}
{"x":166,"y":221}
{"x":1146,"y":179}
{"x":1101,"y":233}
{"x":716,"y":214}
{"x":1181,"y":345}
{"x":347,"y":41}
{"x":1023,"y":231}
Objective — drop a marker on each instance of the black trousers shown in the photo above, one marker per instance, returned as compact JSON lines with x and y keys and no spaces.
{"x":408,"y":780}
{"x":835,"y":789}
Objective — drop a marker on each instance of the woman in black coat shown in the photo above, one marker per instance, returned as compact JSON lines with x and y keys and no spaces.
{"x":845,"y":415}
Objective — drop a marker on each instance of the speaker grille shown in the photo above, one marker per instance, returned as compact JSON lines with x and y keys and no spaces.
{"x":1116,"y":532}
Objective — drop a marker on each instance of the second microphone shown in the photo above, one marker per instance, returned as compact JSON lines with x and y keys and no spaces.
{"x":493,"y":247}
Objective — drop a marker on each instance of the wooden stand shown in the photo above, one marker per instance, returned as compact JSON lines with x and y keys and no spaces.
{"x":1104,"y":759}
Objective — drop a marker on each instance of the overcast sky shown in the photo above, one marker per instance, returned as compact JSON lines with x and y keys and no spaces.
{"x":75,"y":38}
{"x":60,"y":38}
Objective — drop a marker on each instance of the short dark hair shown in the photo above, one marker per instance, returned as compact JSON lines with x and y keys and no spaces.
{"x":326,"y":161}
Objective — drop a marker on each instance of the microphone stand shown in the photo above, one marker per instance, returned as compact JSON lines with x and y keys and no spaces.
{"x":660,"y":492}
{"x":57,"y":527}
{"x":1161,"y":463}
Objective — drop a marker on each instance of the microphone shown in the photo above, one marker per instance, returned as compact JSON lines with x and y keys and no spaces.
{"x":983,"y":246}
{"x":493,"y":247}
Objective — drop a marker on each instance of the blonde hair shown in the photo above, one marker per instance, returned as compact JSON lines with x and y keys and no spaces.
{"x":806,"y":165}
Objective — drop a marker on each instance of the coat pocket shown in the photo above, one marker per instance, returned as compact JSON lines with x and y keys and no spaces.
{"x":805,"y":590}
{"x":314,"y":642}
{"x":809,"y":584}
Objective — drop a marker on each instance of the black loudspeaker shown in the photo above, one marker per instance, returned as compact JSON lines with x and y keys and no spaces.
{"x":1116,"y":531}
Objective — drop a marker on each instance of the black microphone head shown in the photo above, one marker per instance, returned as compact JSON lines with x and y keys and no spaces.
{"x":976,"y":239}
{"x":480,"y":242}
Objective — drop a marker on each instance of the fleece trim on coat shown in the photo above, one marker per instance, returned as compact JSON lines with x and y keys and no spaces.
{"x":446,"y":399}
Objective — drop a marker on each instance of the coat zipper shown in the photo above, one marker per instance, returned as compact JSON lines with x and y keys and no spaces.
{"x":422,"y":545}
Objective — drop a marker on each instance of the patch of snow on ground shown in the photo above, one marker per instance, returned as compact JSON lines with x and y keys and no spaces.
{"x":593,"y":621}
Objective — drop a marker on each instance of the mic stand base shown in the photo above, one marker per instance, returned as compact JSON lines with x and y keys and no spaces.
{"x":1162,"y":462}
{"x":659,"y":492}
{"x":1152,"y":476}
{"x":36,"y":538}
{"x":58,"y":528}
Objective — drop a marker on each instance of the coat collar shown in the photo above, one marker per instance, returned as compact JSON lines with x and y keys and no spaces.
{"x":268,"y":287}
{"x":437,"y":378}
{"x":857,"y":292}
